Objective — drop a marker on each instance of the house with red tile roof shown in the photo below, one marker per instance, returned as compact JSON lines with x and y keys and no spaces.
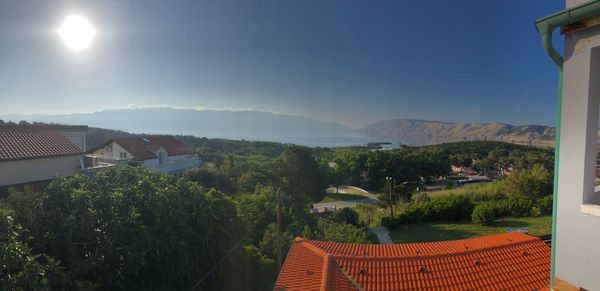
{"x":35,"y":153}
{"x":164,"y":153}
{"x":508,"y":261}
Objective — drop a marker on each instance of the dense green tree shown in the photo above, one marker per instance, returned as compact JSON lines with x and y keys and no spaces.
{"x":257,"y":211}
{"x":210,"y":177}
{"x":329,"y":230}
{"x":248,"y":181}
{"x":20,"y":268}
{"x":134,"y":229}
{"x":534,"y":183}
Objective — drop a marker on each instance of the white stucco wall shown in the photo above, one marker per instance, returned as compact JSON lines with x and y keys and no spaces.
{"x":578,"y":234}
{"x":25,"y":171}
{"x":175,"y":164}
{"x":151,"y":163}
{"x":113,"y":150}
{"x":76,"y":137}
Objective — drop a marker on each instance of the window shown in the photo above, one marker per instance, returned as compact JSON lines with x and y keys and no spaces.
{"x":123,"y":155}
{"x":591,"y":195}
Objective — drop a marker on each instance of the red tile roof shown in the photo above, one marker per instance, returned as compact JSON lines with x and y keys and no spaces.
{"x":18,"y":142}
{"x":143,"y":148}
{"x":496,"y":262}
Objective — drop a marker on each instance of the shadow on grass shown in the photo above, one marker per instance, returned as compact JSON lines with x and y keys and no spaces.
{"x":452,"y":230}
{"x":428,"y":232}
{"x":509,"y":223}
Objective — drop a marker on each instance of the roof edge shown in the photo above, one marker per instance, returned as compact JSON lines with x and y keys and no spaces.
{"x":42,"y":157}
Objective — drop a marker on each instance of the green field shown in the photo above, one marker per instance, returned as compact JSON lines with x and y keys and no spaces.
{"x":329,"y":197}
{"x":440,"y":231}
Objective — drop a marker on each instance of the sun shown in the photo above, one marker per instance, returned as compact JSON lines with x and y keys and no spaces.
{"x":76,"y":33}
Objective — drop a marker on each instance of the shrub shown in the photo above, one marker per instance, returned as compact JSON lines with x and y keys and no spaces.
{"x":545,"y":204}
{"x":484,"y":213}
{"x":519,"y":206}
{"x":451,"y":207}
{"x":330,"y":230}
{"x":347,"y":215}
{"x":532,"y":183}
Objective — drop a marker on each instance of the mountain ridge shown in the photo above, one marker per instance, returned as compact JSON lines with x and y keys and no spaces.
{"x":425,"y":132}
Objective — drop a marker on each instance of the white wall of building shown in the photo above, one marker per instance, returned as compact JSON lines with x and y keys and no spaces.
{"x":578,"y":224}
{"x":76,"y":137}
{"x":174,"y":164}
{"x":32,"y":170}
{"x":113,"y":149}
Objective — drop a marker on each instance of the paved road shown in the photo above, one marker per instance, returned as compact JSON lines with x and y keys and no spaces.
{"x":383,"y":235}
{"x":370,"y":198}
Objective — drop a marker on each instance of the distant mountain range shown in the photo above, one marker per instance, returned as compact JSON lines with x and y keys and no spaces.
{"x":424,"y":132}
{"x":259,"y":125}
{"x":245,"y":124}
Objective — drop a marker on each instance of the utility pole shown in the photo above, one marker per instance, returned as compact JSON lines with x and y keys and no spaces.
{"x":278,"y":211}
{"x":391,"y":198}
{"x":394,"y":191}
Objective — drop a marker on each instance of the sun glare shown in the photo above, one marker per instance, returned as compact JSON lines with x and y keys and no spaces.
{"x":76,"y":33}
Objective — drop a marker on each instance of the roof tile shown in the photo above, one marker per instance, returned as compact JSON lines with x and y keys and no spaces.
{"x":496,"y":262}
{"x":18,"y":142}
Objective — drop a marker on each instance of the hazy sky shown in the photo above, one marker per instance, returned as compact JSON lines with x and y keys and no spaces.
{"x":353,"y":62}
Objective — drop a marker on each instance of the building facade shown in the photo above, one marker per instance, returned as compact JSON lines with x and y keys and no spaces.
{"x":163,"y":153}
{"x":36,"y":153}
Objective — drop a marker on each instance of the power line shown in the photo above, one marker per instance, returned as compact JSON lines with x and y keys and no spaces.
{"x":218,"y":263}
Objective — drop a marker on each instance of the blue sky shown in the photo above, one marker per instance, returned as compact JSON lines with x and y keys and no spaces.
{"x":352,"y":62}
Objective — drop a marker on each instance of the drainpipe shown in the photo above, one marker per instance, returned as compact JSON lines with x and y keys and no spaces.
{"x":545,"y":27}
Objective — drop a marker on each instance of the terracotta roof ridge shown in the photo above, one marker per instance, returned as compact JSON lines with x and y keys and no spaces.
{"x":347,"y":276}
{"x":312,"y":247}
{"x":328,"y":260}
{"x":441,"y":255}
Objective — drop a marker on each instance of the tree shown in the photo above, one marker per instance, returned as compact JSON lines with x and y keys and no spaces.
{"x":248,"y":181}
{"x":130,"y":228}
{"x":257,"y":211}
{"x":534,"y":183}
{"x":21,"y":269}
{"x":301,"y":175}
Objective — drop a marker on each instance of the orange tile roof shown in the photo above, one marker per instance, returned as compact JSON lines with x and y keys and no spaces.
{"x":143,"y":147}
{"x":19,"y":142}
{"x":496,"y":262}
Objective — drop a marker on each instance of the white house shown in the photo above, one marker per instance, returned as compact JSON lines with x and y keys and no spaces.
{"x":575,"y":260}
{"x":33,"y":154}
{"x":164,"y":153}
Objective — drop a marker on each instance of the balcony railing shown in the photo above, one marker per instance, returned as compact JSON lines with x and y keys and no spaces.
{"x":93,"y":161}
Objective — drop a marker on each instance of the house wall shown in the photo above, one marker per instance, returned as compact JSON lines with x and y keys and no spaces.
{"x":25,"y":171}
{"x":75,"y":136}
{"x":151,"y":163}
{"x":175,"y":163}
{"x":180,"y":164}
{"x":113,"y":150}
{"x":578,"y":230}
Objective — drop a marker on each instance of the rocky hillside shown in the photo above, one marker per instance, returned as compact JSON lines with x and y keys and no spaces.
{"x":423,"y":132}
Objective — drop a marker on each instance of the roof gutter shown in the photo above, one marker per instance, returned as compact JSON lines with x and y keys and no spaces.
{"x":545,"y":26}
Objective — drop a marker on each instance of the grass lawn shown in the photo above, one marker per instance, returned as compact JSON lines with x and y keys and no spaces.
{"x":329,"y":197}
{"x":440,"y":231}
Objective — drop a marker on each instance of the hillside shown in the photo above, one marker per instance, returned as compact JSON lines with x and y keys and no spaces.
{"x":423,"y":132}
